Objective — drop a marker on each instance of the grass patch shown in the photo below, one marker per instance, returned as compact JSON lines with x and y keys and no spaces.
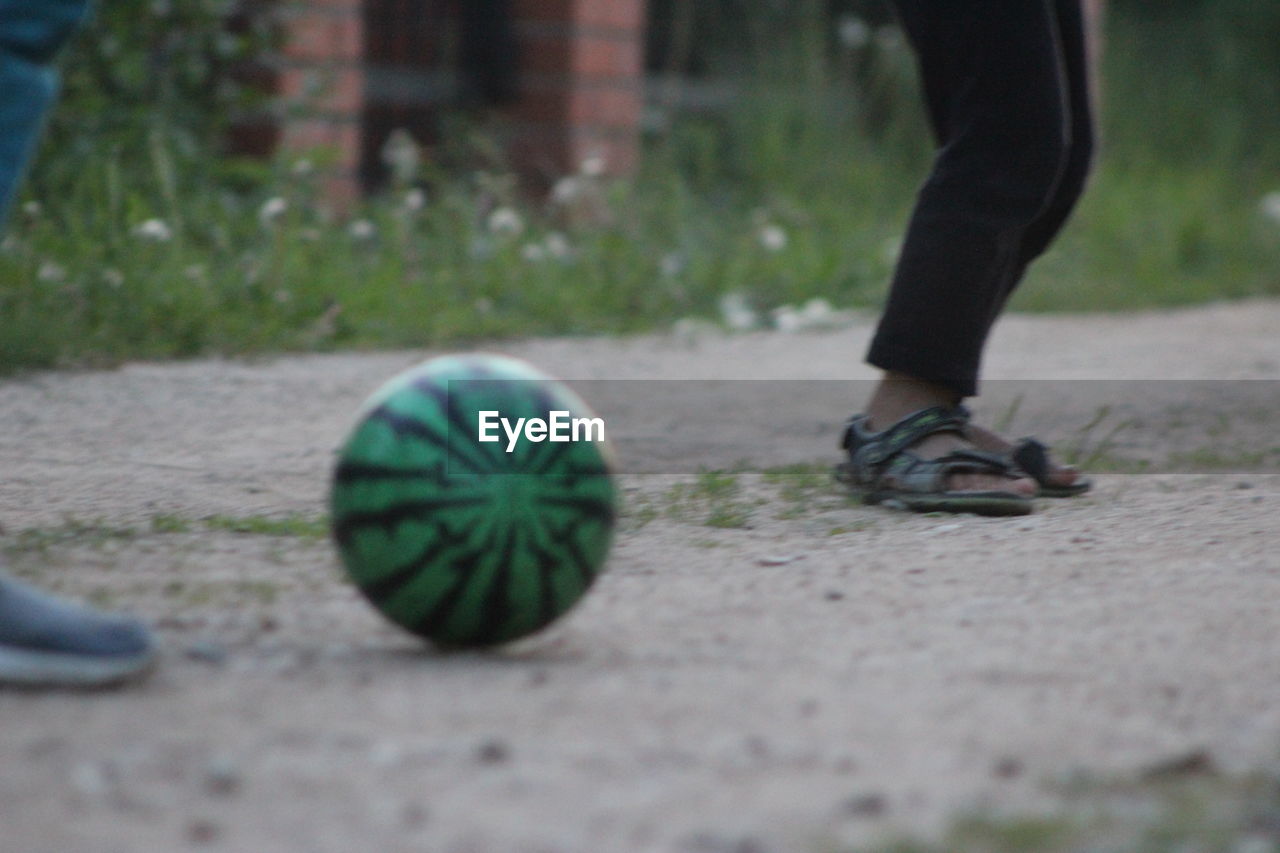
{"x":258,"y":525}
{"x":1193,"y":810}
{"x":801,"y":488}
{"x":74,"y":532}
{"x":39,"y":540}
{"x":714,"y":499}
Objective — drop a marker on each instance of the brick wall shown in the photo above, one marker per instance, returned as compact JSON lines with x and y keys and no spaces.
{"x":318,"y":78}
{"x":581,"y":84}
{"x":349,"y":72}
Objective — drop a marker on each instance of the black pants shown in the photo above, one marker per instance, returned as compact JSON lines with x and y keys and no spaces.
{"x":1007,"y":88}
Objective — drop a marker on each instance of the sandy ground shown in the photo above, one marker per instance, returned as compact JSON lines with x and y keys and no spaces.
{"x":827,"y":674}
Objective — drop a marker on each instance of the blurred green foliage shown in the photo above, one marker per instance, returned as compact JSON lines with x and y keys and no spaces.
{"x":783,"y":143}
{"x":148,"y":74}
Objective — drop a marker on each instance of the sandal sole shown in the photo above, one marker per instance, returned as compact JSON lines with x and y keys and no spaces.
{"x":992,"y":504}
{"x":1072,"y":491}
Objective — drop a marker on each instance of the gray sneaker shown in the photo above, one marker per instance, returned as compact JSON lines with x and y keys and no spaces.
{"x":47,"y":642}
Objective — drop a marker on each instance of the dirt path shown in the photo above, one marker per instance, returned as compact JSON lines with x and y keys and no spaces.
{"x":816,"y":671}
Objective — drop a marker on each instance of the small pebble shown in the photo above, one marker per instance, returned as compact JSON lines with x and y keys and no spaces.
{"x":778,"y":559}
{"x":203,"y":831}
{"x":1193,"y":763}
{"x":866,"y":805}
{"x":413,"y":815}
{"x":1007,"y":768}
{"x":207,"y":651}
{"x":222,"y":776}
{"x":493,"y":752}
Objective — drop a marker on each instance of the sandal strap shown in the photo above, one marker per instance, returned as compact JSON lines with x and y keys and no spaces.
{"x":874,"y":448}
{"x":883,"y":459}
{"x":1030,"y":455}
{"x":909,"y":473}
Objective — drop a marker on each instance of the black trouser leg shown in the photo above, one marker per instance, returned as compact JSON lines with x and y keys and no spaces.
{"x":1006,"y":87}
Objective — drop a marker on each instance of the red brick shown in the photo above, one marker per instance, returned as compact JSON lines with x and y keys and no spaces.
{"x":612,"y":14}
{"x":607,"y":57}
{"x":615,"y":106}
{"x":592,"y":56}
{"x":322,"y":36}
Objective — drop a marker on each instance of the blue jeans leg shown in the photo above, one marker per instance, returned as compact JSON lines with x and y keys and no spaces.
{"x":31,"y":34}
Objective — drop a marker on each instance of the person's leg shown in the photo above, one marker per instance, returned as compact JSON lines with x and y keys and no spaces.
{"x":995,"y":87}
{"x":31,"y":33}
{"x":1077,"y":74}
{"x":45,"y":641}
{"x":1077,"y":64}
{"x":995,"y":82}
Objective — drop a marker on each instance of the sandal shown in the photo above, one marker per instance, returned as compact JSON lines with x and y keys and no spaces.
{"x":1030,"y":456}
{"x":882,"y":467}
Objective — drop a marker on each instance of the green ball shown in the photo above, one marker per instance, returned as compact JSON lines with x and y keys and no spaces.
{"x":468,"y":542}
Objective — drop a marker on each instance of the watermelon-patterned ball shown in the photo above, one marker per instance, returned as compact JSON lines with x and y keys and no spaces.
{"x":457,"y":516}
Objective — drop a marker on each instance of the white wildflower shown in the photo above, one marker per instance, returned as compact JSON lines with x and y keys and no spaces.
{"x":566,"y":190}
{"x":818,"y":312}
{"x":32,"y":209}
{"x":558,"y":246}
{"x":593,"y":166}
{"x":690,"y":331}
{"x":302,"y":167}
{"x":890,"y":250}
{"x":362,"y":229}
{"x":113,"y":278}
{"x":415,"y":200}
{"x":51,"y":272}
{"x":533,"y":252}
{"x":1270,"y":206}
{"x":736,"y":312}
{"x":271,"y":210}
{"x":815,"y":314}
{"x":505,"y":221}
{"x":787,"y":319}
{"x":853,"y":32}
{"x":672,"y":264}
{"x":156,"y":230}
{"x":772,"y":238}
{"x":402,"y":155}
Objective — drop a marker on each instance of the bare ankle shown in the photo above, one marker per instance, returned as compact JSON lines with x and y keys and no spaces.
{"x":898,"y":395}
